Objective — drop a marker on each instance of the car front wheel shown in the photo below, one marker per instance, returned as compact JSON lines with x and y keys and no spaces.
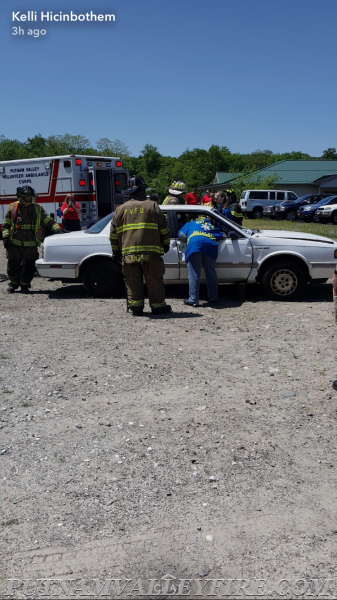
{"x":291,"y":215}
{"x":257,"y":213}
{"x":103,"y":279}
{"x":283,"y":281}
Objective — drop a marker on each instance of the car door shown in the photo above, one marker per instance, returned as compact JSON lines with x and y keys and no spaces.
{"x":235,"y":255}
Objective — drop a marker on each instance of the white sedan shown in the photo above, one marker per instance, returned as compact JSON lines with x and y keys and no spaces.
{"x":282,"y":261}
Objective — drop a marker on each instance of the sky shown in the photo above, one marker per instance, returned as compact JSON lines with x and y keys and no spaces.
{"x":177,"y":74}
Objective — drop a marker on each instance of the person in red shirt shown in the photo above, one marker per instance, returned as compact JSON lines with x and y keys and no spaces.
{"x":192,"y":197}
{"x":206,"y":199}
{"x":70,"y":214}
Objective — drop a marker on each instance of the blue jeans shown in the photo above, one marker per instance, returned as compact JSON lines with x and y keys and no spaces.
{"x":194,"y":270}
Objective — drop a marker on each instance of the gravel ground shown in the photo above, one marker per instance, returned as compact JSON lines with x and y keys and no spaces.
{"x":200,"y":445}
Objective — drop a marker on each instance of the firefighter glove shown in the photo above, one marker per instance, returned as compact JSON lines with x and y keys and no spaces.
{"x":6,"y":243}
{"x":117,"y":257}
{"x":166,"y":248}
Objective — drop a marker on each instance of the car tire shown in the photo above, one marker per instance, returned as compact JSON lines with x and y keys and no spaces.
{"x":283,"y":281}
{"x":103,"y":279}
{"x":291,"y":215}
{"x":315,"y":218}
{"x":257,"y":213}
{"x":334,"y":218}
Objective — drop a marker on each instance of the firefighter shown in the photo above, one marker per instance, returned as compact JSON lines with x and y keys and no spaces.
{"x":234,"y":207}
{"x":177,"y":193}
{"x":139,"y":236}
{"x":21,"y":232}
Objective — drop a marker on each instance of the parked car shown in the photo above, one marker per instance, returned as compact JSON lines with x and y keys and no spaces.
{"x":269,"y":211}
{"x":254,"y":201}
{"x":281,"y":261}
{"x":288,"y":209}
{"x":328,"y":212}
{"x":308,"y":213}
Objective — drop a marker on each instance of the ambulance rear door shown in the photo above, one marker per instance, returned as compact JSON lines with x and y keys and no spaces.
{"x":104,"y":191}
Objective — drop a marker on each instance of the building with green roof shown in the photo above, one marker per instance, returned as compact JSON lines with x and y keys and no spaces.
{"x":300,"y":176}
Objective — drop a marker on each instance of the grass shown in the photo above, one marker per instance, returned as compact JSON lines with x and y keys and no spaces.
{"x":329,"y":230}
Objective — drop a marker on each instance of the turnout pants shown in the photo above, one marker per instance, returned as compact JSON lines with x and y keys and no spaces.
{"x":136,"y":267}
{"x":21,"y":264}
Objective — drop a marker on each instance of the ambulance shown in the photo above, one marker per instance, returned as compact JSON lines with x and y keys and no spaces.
{"x":96,"y":182}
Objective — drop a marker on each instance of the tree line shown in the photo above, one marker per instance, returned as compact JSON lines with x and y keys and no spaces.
{"x":196,"y":167}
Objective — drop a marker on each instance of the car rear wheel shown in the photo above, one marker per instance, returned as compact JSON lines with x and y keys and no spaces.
{"x":283,"y":281}
{"x":103,"y":279}
{"x":257,"y":213}
{"x":291,"y":215}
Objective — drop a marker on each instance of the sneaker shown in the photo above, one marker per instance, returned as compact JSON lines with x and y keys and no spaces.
{"x":25,"y":289}
{"x":162,"y":310}
{"x":11,"y":288}
{"x":189,"y":303}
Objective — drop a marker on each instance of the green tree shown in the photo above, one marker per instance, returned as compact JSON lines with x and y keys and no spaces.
{"x":108,"y":147}
{"x":329,"y":153}
{"x":11,"y":149}
{"x":36,"y":146}
{"x":68,"y":144}
{"x":149,"y":162}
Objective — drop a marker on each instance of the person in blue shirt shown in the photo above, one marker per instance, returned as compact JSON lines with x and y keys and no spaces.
{"x":202,"y":239}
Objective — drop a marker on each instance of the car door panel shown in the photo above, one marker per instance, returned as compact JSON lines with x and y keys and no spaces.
{"x":171,"y":261}
{"x":234,"y":260}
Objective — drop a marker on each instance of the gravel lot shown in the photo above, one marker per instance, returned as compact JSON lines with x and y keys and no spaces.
{"x":201,"y":444}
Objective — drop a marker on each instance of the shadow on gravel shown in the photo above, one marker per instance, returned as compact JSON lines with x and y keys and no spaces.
{"x":229,"y":295}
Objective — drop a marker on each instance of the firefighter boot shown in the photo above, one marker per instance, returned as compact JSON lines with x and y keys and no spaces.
{"x":11,"y":288}
{"x":137,"y":312}
{"x":25,"y":289}
{"x":162,"y":310}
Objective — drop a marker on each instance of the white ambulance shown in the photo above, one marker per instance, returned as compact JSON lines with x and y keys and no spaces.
{"x":96,"y":183}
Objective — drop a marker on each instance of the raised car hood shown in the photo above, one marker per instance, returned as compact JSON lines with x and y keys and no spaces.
{"x":293,"y":235}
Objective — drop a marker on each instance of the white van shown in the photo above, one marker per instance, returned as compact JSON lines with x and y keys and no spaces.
{"x":253,"y":202}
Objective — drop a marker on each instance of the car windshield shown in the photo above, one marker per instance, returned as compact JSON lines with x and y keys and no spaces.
{"x":99,"y":226}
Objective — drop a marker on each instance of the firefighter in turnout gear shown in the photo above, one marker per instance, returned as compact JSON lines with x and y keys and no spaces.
{"x":139,"y":236}
{"x":21,"y":232}
{"x":234,"y":207}
{"x":177,"y":193}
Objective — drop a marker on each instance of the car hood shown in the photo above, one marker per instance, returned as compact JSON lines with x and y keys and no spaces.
{"x":293,"y":235}
{"x":73,"y":237}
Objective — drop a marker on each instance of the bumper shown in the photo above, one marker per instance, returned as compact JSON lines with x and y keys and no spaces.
{"x":57,"y":270}
{"x":304,"y":217}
